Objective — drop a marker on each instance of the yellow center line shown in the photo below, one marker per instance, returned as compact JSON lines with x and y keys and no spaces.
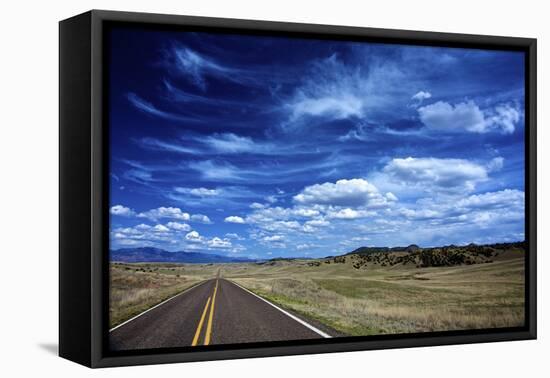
{"x":198,"y":331}
{"x":210,"y":317}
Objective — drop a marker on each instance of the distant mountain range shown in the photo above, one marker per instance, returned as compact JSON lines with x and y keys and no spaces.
{"x":150,"y":254}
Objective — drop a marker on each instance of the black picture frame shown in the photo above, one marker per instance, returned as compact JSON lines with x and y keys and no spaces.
{"x":83,"y":195}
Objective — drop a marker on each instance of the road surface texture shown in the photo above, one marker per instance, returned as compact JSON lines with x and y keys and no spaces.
{"x":216,"y":311}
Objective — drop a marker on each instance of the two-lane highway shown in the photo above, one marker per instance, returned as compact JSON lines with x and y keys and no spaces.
{"x":216,"y":311}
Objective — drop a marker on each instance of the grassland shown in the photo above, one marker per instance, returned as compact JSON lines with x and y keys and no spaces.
{"x":352,"y":295}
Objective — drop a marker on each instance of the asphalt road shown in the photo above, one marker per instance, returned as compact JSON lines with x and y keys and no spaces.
{"x":216,"y":311}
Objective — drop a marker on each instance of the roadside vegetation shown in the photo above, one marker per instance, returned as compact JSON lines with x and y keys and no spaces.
{"x":360,"y":297}
{"x":363,"y":293}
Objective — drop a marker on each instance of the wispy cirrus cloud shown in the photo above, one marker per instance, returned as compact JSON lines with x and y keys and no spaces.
{"x":199,"y":68}
{"x":149,"y":108}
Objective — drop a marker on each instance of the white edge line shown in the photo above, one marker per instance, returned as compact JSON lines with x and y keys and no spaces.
{"x":314,"y":329}
{"x":155,"y":306}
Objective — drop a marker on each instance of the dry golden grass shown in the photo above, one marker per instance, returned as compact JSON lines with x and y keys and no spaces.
{"x":375,"y":300}
{"x":394,"y":299}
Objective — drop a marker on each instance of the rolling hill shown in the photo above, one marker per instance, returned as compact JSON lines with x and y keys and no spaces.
{"x":150,"y":254}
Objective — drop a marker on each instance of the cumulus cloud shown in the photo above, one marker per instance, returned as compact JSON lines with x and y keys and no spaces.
{"x":122,"y":211}
{"x":482,"y":209}
{"x":467,"y":116}
{"x":161,"y":228}
{"x":504,"y":117}
{"x":273,"y":238}
{"x":193,"y":236}
{"x":348,"y":213}
{"x":201,"y":218}
{"x":354,"y":192}
{"x":178,"y":226}
{"x":318,"y":223}
{"x":170,"y":234}
{"x":234,"y":219}
{"x":256,"y":205}
{"x":445,"y":174}
{"x":217,"y":242}
{"x":305,"y":212}
{"x":507,"y":198}
{"x":164,"y":212}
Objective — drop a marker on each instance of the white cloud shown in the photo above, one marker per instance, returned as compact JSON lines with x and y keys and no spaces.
{"x":482,"y":209}
{"x":446,"y":174}
{"x":505,"y":117}
{"x":230,"y":143}
{"x":178,"y":226}
{"x":341,"y":107}
{"x":467,"y":116}
{"x":421,"y":96}
{"x":234,"y":219}
{"x":280,"y":226}
{"x":161,"y":228}
{"x":193,"y":236}
{"x":303,"y":212}
{"x":195,"y":67}
{"x":198,"y":192}
{"x":348,"y":213}
{"x":359,"y":132}
{"x":271,"y":199}
{"x":335,"y":89}
{"x":201,"y":218}
{"x":122,"y":211}
{"x":257,"y":205}
{"x":149,"y":108}
{"x":507,"y":198}
{"x":495,"y":164}
{"x":446,"y":117}
{"x":235,"y":236}
{"x":318,"y":223}
{"x":354,"y":192}
{"x":273,"y":238}
{"x":391,"y":197}
{"x":211,"y":170}
{"x":217,"y":242}
{"x":164,"y":212}
{"x":420,"y":214}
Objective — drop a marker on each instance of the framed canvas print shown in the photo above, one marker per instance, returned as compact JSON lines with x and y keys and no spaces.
{"x":234,"y":188}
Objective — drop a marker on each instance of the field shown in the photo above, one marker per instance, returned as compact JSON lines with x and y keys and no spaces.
{"x":355,"y":294}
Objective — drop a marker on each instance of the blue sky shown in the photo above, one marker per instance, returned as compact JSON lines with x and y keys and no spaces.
{"x":268,"y":146}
